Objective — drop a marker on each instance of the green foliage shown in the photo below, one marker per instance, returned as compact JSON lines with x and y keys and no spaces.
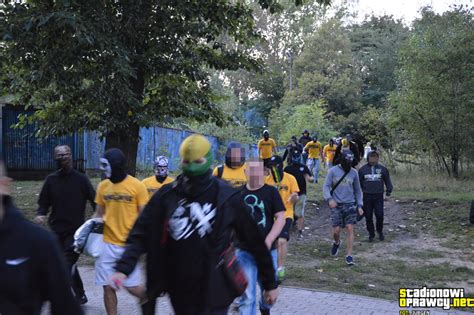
{"x":326,"y":71}
{"x":375,"y":46}
{"x":291,"y":121}
{"x":435,"y":101}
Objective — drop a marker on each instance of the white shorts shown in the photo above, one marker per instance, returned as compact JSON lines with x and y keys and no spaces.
{"x":104,"y":267}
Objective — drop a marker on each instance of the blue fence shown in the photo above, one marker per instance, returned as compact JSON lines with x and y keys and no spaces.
{"x":24,"y":152}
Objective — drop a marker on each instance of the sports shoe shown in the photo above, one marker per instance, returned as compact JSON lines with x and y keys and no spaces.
{"x":381,"y":236}
{"x":264,"y":312}
{"x":300,"y":235}
{"x":350,"y":261}
{"x":371,"y":238}
{"x":281,"y":274}
{"x":335,"y":249}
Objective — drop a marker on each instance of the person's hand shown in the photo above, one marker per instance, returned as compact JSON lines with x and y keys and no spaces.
{"x":361,"y":211}
{"x":40,"y":219}
{"x":332,"y":204}
{"x":116,"y":280}
{"x":271,"y":296}
{"x":293,"y":198}
{"x":269,"y":243}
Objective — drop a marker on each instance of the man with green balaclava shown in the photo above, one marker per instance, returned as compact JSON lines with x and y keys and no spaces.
{"x":185,"y":229}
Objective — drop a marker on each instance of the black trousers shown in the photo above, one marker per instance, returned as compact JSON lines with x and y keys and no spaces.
{"x":66,"y":241}
{"x":373,"y":204}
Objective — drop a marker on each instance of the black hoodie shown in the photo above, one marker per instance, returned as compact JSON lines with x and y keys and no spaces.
{"x":32,"y":269}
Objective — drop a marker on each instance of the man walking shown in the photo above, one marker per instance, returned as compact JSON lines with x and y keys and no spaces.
{"x":343,"y":193}
{"x":66,"y":191}
{"x":161,"y":178}
{"x":372,"y":177}
{"x":304,"y":139}
{"x":291,"y":148}
{"x":233,"y":170}
{"x":347,"y":145}
{"x":186,"y":230}
{"x":288,"y":189}
{"x":120,"y":198}
{"x":315,"y":152}
{"x":329,"y":151}
{"x":303,"y":176}
{"x":266,"y":208}
{"x":32,"y":269}
{"x":266,"y":147}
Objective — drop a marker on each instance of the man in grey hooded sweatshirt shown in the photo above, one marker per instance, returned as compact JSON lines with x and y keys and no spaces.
{"x":343,"y":193}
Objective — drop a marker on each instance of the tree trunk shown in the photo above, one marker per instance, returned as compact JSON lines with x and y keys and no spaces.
{"x":455,"y":164}
{"x":127,"y":141}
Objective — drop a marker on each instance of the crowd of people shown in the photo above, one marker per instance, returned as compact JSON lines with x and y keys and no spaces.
{"x":210,"y":236}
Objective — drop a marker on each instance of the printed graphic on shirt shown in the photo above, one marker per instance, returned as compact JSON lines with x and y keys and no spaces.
{"x":118,"y":197}
{"x":257,"y":209}
{"x":191,"y":217}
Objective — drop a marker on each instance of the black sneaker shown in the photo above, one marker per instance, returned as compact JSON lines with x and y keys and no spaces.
{"x":264,"y":312}
{"x":335,"y":249}
{"x":381,"y":237}
{"x":350,"y":261}
{"x":371,"y":238}
{"x":82,"y":299}
{"x":300,"y":236}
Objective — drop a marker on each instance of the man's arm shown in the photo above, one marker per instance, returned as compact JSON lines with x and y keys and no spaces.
{"x":388,"y":181}
{"x":327,"y":186}
{"x":357,"y":190}
{"x":308,"y":178}
{"x":90,"y":193}
{"x":99,"y":211}
{"x":44,"y":203}
{"x":277,"y":227}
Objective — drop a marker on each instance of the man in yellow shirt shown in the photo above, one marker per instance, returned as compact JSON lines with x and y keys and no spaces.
{"x":161,"y":178}
{"x":233,"y":170}
{"x":266,"y":147}
{"x":119,"y":199}
{"x":315,"y":152}
{"x":328,"y":153}
{"x":288,"y":189}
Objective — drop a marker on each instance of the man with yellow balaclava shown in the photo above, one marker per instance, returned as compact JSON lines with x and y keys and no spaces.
{"x":185,"y":229}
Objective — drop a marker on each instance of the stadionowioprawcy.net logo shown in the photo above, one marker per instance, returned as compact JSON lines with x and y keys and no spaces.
{"x":445,"y":298}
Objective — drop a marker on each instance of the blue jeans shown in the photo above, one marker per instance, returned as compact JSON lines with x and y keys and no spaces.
{"x":313,"y":165}
{"x":248,"y":301}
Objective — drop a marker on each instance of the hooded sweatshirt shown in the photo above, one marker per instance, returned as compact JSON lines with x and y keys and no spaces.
{"x":32,"y":269}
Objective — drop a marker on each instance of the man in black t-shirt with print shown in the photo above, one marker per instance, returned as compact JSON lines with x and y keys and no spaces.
{"x":302,"y":174}
{"x":267,"y":209}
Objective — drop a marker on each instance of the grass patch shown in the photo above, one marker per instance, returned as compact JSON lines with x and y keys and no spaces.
{"x":411,"y":252}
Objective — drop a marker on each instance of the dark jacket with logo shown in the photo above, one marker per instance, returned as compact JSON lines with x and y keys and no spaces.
{"x":373,"y":178}
{"x":32,"y":270}
{"x":150,"y":235}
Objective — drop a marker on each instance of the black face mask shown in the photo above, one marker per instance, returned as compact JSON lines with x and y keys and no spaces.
{"x":346,"y":161}
{"x":160,"y":179}
{"x":117,"y":163}
{"x":193,"y":186}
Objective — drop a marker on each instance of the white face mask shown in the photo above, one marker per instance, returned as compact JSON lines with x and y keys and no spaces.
{"x":105,"y":167}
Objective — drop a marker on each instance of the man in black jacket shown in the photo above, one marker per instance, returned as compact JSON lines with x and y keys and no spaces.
{"x":32,"y":269}
{"x":304,"y":139}
{"x":353,"y":147}
{"x":185,"y":228}
{"x":66,"y":191}
{"x":372,"y":178}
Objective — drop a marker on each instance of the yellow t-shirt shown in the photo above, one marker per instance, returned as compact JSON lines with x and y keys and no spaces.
{"x":235,"y":176}
{"x":266,"y":148}
{"x":314,"y":149}
{"x":287,"y":186}
{"x":122,"y":202}
{"x":152,"y":185}
{"x":329,"y":152}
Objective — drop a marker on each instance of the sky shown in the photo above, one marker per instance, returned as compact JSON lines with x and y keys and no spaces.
{"x":406,"y":10}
